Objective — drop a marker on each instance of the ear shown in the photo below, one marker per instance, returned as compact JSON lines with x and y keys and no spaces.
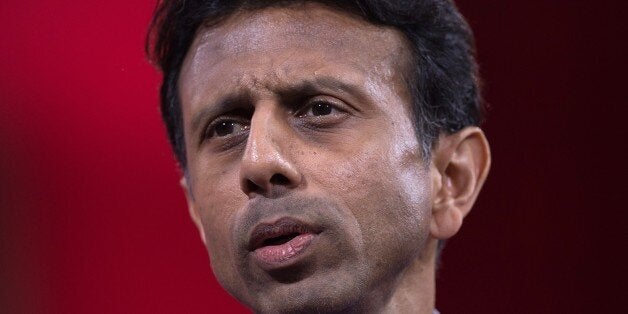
{"x":460,"y":164}
{"x":194,"y":214}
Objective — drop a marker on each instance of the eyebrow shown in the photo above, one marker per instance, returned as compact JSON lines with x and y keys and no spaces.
{"x":309,"y":87}
{"x":287,"y":93}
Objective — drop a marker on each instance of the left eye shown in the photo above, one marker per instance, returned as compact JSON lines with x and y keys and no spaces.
{"x":317,"y":109}
{"x":321,"y":109}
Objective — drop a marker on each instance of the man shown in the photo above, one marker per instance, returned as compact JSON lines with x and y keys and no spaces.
{"x":327,"y":146}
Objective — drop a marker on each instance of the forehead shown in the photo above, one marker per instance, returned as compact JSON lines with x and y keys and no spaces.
{"x":282,"y":37}
{"x":306,"y":25}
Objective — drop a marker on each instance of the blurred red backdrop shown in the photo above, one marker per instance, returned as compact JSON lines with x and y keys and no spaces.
{"x":92,"y":219}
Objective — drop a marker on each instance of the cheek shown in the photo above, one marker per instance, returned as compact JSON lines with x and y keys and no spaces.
{"x":218,"y":226}
{"x":393,"y":194}
{"x":217,"y":221}
{"x":393,"y":212}
{"x":218,"y":198}
{"x":387,"y":190}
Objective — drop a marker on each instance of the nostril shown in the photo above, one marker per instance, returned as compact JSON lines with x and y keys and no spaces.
{"x":279,"y":179}
{"x":269,"y":187}
{"x":252,"y":187}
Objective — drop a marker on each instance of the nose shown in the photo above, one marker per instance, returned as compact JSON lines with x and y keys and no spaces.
{"x":266,"y":167}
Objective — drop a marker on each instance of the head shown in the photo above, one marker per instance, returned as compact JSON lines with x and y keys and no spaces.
{"x":327,"y":146}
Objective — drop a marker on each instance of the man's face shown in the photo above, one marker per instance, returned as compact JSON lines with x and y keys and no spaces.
{"x":303,"y":164}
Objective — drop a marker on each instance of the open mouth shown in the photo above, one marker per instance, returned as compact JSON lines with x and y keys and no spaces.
{"x":280,"y":239}
{"x":280,"y":242}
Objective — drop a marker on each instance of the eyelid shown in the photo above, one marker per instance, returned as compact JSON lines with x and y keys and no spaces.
{"x":209,"y":129}
{"x":226,"y":111}
{"x":336,"y":104}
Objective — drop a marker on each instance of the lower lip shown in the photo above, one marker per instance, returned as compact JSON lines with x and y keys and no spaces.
{"x":280,"y":255}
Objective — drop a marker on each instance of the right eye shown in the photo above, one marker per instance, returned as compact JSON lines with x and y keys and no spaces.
{"x":226,"y":127}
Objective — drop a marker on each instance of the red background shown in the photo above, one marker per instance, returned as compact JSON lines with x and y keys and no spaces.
{"x":92,"y":219}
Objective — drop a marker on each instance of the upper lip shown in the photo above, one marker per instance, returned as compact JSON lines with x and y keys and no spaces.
{"x":282,"y":227}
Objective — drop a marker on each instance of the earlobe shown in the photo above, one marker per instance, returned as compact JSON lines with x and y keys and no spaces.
{"x":461,"y":162}
{"x":194,"y":214}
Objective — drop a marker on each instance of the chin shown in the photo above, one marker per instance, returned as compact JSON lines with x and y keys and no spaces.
{"x":333,"y":296}
{"x":323,"y":291}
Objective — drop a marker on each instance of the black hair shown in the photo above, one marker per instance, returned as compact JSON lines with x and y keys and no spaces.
{"x":443,"y":79}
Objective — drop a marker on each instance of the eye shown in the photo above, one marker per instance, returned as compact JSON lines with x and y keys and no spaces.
{"x":226,"y":127}
{"x":318,"y":108}
{"x":321,"y":109}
